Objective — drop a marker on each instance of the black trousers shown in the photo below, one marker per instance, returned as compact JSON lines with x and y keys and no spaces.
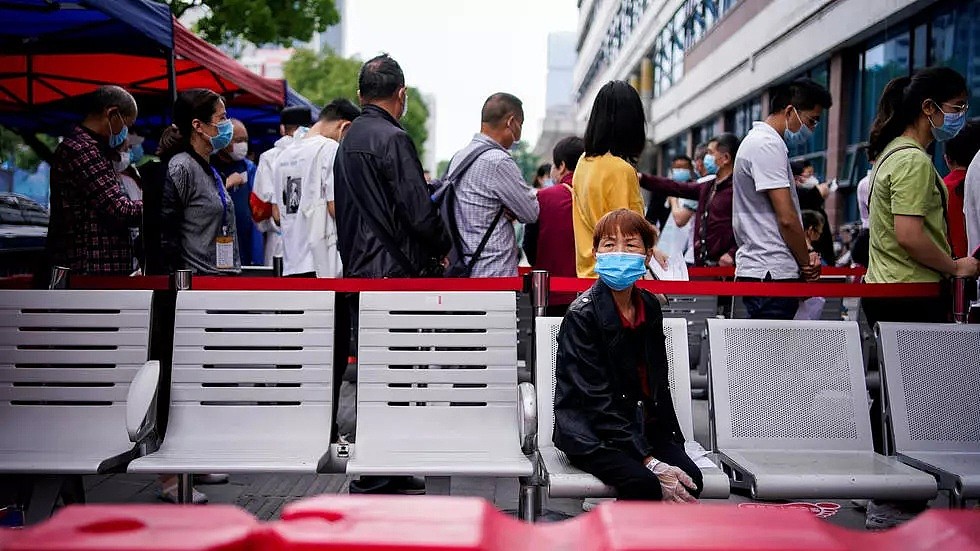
{"x":631,"y":479}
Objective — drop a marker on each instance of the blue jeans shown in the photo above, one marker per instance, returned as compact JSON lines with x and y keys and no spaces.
{"x":770,"y":308}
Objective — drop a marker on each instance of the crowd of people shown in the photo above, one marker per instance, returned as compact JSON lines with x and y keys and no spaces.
{"x":346,"y":196}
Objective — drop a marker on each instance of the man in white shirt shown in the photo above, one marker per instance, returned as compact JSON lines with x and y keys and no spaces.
{"x":291,"y":120}
{"x":303,"y":197}
{"x":772,"y":245}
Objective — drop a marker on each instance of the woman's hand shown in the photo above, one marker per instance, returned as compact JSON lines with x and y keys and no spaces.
{"x":661,"y":257}
{"x":674,"y":482}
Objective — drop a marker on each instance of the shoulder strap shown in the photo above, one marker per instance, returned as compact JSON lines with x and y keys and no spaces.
{"x":939,"y":187}
{"x":467,"y":161}
{"x":386,"y":239}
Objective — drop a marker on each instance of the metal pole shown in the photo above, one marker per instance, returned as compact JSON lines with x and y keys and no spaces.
{"x":964,"y":291}
{"x":171,"y":78}
{"x":277,"y":266}
{"x":182,"y":280}
{"x":185,"y":488}
{"x":59,"y":277}
{"x":540,"y":285}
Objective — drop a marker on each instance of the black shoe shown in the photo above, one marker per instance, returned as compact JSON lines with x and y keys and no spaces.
{"x":407,"y":486}
{"x":401,"y":485}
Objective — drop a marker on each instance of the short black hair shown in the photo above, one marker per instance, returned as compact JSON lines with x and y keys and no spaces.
{"x":683,"y":158}
{"x":340,"y":110}
{"x":726,"y":142}
{"x":617,"y":123}
{"x":499,"y":106}
{"x":543,"y":170}
{"x":807,"y":164}
{"x":796,"y":167}
{"x":964,"y":146}
{"x":802,"y":93}
{"x":568,"y":151}
{"x":812,"y":219}
{"x":380,"y":78}
{"x":105,"y":97}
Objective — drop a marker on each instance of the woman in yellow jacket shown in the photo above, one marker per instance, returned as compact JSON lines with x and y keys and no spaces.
{"x":605,"y":178}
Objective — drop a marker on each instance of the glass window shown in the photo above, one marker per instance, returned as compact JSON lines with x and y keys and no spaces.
{"x":920,"y":47}
{"x":883,"y":61}
{"x":956,"y":43}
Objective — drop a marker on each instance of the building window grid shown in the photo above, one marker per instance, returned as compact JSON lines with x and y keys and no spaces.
{"x":686,"y":28}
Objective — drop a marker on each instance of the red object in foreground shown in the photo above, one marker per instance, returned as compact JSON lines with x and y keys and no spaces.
{"x":389,"y":523}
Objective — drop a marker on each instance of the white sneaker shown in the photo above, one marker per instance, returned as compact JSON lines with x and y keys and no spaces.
{"x":591,"y":503}
{"x":169,"y":494}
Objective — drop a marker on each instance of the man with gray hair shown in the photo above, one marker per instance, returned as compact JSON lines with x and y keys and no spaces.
{"x":492,"y":191}
{"x":90,"y":213}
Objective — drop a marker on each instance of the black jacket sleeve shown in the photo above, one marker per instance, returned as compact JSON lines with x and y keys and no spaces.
{"x":171,"y":218}
{"x":531,"y":242}
{"x":586,"y":417}
{"x":411,"y":196}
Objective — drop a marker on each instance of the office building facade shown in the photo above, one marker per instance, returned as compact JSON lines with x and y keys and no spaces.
{"x":705,"y":66}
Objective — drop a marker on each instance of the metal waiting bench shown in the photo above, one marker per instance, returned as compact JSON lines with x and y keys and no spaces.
{"x":75,"y":384}
{"x":791,"y":413}
{"x":563,"y":479}
{"x":251,"y":387}
{"x":437,"y":388}
{"x":932,"y":392}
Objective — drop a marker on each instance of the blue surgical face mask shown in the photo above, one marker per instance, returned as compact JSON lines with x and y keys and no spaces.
{"x":620,"y":270}
{"x":952,"y":124}
{"x":680,"y":174}
{"x":710,"y":165}
{"x":801,"y":136}
{"x":116,"y":140}
{"x":135,"y":154}
{"x":221,"y":141}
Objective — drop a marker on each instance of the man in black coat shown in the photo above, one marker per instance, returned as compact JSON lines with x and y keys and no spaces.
{"x":387,"y":225}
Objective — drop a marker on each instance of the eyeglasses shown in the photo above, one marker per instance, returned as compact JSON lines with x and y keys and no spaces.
{"x":809,"y":121}
{"x":961,"y":108}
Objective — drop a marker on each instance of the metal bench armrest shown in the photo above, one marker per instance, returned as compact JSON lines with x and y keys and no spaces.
{"x":527,"y":417}
{"x":140,"y":414}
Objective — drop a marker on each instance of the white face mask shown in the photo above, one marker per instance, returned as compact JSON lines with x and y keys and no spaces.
{"x":239,"y":150}
{"x":122,"y":164}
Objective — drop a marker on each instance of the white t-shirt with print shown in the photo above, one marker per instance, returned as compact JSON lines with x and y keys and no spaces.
{"x":303,"y":180}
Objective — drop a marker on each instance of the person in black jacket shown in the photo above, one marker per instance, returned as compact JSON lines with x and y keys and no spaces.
{"x":387,"y":225}
{"x":614,"y":416}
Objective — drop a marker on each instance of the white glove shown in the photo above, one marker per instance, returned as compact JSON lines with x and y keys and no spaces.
{"x":672,"y":482}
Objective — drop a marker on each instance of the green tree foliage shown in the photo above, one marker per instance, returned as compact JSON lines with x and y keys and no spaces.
{"x":526,"y":160}
{"x":441,"y":168}
{"x":325,"y":77}
{"x":260,"y":21}
{"x":17,"y":153}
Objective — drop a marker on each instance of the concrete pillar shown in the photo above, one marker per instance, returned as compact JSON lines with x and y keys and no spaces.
{"x":646,"y":79}
{"x":836,"y":133}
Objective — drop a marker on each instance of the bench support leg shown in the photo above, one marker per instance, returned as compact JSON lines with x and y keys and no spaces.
{"x":44,"y":498}
{"x":529,"y":501}
{"x":437,"y":485}
{"x":185,"y":488}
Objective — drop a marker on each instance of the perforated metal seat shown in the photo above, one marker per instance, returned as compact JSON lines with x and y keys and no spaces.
{"x":437,"y":386}
{"x":791,"y":413}
{"x":67,"y":360}
{"x":565,"y":480}
{"x":932,"y":381}
{"x":251,"y":384}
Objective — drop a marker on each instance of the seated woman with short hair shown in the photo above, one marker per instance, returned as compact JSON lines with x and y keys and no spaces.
{"x":614,"y":416}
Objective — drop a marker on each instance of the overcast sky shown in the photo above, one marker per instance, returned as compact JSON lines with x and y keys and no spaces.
{"x":462,"y":51}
